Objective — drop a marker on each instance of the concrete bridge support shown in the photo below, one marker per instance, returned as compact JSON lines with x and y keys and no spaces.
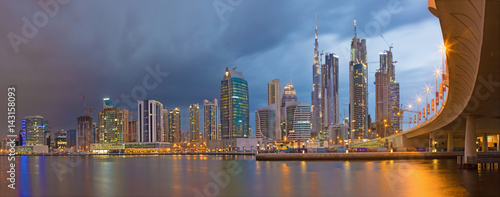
{"x":485,"y":142}
{"x":432,"y":141}
{"x":450,"y":142}
{"x":498,"y":143}
{"x":470,"y":139}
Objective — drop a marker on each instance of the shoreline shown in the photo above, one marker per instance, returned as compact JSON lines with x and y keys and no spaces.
{"x":121,"y":154}
{"x":362,"y":156}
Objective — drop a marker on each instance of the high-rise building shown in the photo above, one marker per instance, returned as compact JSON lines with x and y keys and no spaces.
{"x":165,"y":125}
{"x":150,"y":121}
{"x":298,"y":118}
{"x":132,"y":130}
{"x":234,"y":102}
{"x":387,"y":96}
{"x":210,"y":120}
{"x":194,"y":122}
{"x":113,"y":125}
{"x":174,"y":122}
{"x":288,"y":97}
{"x":395,"y":112}
{"x":273,"y":92}
{"x":316,"y":118}
{"x":33,"y":131}
{"x":267,"y":122}
{"x":71,"y":138}
{"x":84,"y":132}
{"x":358,"y":88}
{"x":329,"y":91}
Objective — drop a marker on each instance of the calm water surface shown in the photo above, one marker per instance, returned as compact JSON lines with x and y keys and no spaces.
{"x":242,"y":176}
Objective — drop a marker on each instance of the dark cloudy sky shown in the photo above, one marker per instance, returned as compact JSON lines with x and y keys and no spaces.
{"x":102,"y":49}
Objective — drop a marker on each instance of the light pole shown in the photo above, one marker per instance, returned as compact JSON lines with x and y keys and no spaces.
{"x":409,"y":115}
{"x":427,"y":90}
{"x":437,"y":72}
{"x":419,"y":99}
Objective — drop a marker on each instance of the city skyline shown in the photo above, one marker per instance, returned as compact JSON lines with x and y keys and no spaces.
{"x":331,"y":39}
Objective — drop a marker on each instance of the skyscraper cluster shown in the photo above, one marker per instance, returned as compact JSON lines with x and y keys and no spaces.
{"x":325,"y":99}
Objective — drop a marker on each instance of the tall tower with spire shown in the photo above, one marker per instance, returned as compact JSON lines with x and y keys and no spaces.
{"x":358,"y":88}
{"x":316,"y":89}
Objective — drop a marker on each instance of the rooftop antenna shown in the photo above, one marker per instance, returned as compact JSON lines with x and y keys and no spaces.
{"x":355,"y":34}
{"x":291,"y":78}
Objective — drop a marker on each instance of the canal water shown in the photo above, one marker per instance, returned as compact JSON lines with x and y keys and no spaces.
{"x":198,"y":175}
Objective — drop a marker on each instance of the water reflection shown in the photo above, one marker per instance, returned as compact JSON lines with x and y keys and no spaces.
{"x":181,"y":175}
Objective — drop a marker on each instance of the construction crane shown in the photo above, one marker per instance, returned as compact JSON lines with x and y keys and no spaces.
{"x":390,"y":46}
{"x":88,"y":110}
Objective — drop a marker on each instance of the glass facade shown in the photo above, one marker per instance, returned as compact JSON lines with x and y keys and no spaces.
{"x":113,"y":125}
{"x":33,"y":131}
{"x":265,"y":123}
{"x":234,"y":106}
{"x":299,"y":122}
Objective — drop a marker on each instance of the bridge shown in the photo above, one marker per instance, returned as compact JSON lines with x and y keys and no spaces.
{"x":471,"y":33}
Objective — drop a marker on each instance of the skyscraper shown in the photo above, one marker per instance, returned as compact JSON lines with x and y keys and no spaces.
{"x":329,"y":91}
{"x":132,"y":130}
{"x":194,"y":122}
{"x":358,"y":88}
{"x":33,"y":131}
{"x":298,"y":118}
{"x":234,"y":102}
{"x":288,"y":97}
{"x":84,"y":132}
{"x":210,"y":120}
{"x":113,"y":125}
{"x":174,"y":122}
{"x":387,"y":96}
{"x":71,"y":138}
{"x":150,"y":121}
{"x":166,"y":128}
{"x":316,"y":118}
{"x":273,"y":92}
{"x":267,"y":122}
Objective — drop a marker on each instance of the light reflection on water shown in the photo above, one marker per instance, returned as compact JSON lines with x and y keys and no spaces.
{"x":181,"y":175}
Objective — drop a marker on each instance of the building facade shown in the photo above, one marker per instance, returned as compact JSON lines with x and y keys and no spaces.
{"x":267,"y":122}
{"x":194,"y":122}
{"x":387,"y":96}
{"x":33,"y":131}
{"x":150,"y":121}
{"x":174,"y":123}
{"x":113,"y":125}
{"x":273,"y":92}
{"x":298,"y":118}
{"x":132,"y":130}
{"x":84,"y":133}
{"x":166,"y":126}
{"x":234,"y":106}
{"x":316,"y":118}
{"x":210,"y":120}
{"x":358,"y":88}
{"x":329,"y":91}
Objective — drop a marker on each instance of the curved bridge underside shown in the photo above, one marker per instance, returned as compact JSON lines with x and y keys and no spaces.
{"x":471,"y":32}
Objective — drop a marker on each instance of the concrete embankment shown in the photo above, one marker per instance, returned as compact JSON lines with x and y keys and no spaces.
{"x":357,"y":156}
